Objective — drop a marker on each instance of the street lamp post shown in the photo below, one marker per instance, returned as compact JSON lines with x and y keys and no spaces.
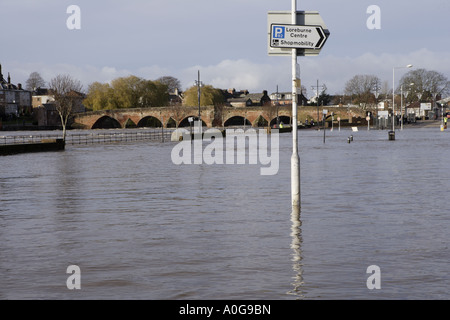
{"x":375,"y":116}
{"x":419,"y":97}
{"x":199,"y":84}
{"x":393,"y":93}
{"x":406,"y":101}
{"x":323,"y":88}
{"x":278,"y":106}
{"x":434,"y":103}
{"x":401,"y":108}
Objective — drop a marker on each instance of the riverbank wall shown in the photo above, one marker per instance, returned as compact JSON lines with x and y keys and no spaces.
{"x":43,"y":146}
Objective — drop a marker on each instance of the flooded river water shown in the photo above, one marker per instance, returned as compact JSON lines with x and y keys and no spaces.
{"x":140,"y":227}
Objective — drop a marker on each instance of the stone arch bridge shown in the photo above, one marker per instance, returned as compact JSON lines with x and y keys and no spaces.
{"x":172,"y":115}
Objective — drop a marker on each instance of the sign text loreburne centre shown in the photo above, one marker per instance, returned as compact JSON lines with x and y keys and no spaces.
{"x":298,"y":37}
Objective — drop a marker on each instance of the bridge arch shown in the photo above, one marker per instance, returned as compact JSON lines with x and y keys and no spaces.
{"x":106,"y":122}
{"x":150,"y":122}
{"x":284,"y":119}
{"x":236,"y":121}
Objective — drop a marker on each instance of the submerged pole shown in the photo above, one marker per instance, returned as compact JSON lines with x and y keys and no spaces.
{"x":295,"y":159}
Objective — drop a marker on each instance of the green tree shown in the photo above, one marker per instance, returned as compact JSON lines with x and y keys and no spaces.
{"x":324,"y":98}
{"x":99,"y":96}
{"x":126,"y":92}
{"x":152,"y":94}
{"x":209,"y":96}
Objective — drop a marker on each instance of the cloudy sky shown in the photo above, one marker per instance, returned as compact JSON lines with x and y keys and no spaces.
{"x":225,"y":40}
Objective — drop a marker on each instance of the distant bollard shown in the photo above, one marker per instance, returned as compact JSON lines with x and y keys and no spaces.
{"x":349,"y":140}
{"x":391,"y":135}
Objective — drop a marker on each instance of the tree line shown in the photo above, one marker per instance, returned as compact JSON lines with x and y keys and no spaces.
{"x":135,"y":92}
{"x":420,"y":84}
{"x":127,"y":92}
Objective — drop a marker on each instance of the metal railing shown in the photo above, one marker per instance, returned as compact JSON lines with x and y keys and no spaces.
{"x":112,"y":137}
{"x":24,"y":139}
{"x":91,"y":137}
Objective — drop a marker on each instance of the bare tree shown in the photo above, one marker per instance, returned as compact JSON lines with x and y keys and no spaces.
{"x":422,"y":81}
{"x":361,"y":88}
{"x":270,"y":112}
{"x":34,"y":81}
{"x":386,"y":89}
{"x":171,"y":83}
{"x":64,"y":89}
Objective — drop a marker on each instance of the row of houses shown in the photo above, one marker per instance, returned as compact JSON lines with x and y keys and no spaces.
{"x":15,"y":101}
{"x":44,"y":108}
{"x":13,"y":98}
{"x":244,"y":98}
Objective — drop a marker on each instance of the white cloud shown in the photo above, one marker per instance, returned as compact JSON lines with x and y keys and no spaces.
{"x":239,"y":74}
{"x":332,"y":70}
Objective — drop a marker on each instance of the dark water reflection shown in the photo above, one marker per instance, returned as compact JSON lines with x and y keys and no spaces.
{"x":140,"y":227}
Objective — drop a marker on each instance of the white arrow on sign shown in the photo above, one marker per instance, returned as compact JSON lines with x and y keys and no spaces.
{"x":298,"y":37}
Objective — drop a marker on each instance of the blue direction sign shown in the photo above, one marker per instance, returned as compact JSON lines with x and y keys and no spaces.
{"x":297,"y":37}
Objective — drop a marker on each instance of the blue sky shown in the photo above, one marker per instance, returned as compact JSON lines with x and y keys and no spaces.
{"x":225,"y":40}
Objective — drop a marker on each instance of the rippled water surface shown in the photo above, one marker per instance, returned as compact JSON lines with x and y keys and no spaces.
{"x":140,"y":227}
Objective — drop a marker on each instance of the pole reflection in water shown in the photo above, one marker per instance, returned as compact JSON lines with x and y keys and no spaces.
{"x":296,"y":245}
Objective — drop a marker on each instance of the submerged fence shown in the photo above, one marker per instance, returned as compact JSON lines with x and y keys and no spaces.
{"x":91,"y":137}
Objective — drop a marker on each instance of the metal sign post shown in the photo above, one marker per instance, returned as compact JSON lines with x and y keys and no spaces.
{"x":295,"y":158}
{"x":295,"y":33}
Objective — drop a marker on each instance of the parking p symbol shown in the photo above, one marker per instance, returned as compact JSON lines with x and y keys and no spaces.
{"x":278,"y":32}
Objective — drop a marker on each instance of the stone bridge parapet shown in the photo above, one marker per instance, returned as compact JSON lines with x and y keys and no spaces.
{"x":171,"y":116}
